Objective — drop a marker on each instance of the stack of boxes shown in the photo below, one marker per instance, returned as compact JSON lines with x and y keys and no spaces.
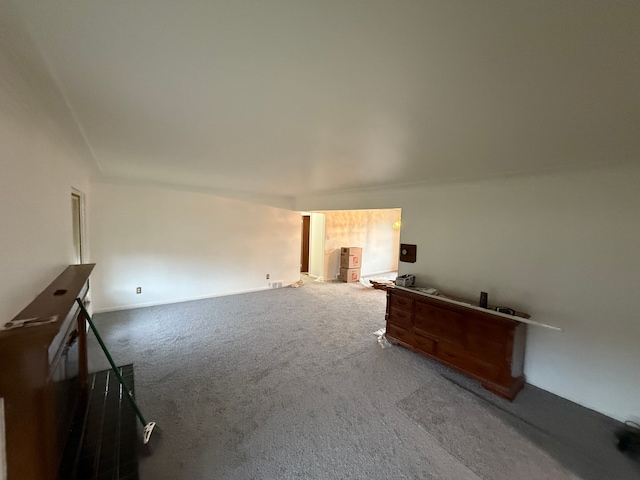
{"x":350,"y":260}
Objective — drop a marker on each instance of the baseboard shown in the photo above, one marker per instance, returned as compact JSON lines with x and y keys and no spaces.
{"x":181,"y":300}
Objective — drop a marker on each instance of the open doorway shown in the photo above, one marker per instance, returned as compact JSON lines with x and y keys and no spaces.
{"x":77,"y":222}
{"x":376,"y":231}
{"x":312,"y":245}
{"x":304,"y":250}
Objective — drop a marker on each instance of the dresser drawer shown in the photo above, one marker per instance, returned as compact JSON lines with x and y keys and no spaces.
{"x":418,"y":342}
{"x":400,"y":317}
{"x":425,"y":344}
{"x":488,"y":350}
{"x":402,"y":303}
{"x":440,"y":323}
{"x":489,"y":328}
{"x":457,"y":356}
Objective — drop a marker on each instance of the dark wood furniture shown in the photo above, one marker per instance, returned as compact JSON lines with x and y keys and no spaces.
{"x":480,"y":343}
{"x":43,"y":376}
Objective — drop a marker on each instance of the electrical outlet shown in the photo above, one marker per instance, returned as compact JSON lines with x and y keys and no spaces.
{"x":138,"y":290}
{"x":268,"y":276}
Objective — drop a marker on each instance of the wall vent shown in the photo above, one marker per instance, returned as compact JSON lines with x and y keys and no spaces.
{"x":275,"y":284}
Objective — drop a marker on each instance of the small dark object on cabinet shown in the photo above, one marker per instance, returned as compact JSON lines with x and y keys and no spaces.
{"x":484,"y":299}
{"x":507,"y":310}
{"x":406,"y":280}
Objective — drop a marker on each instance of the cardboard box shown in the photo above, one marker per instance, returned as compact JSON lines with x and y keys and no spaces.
{"x":349,"y":275}
{"x":350,"y":257}
{"x":350,"y":261}
{"x":351,"y":251}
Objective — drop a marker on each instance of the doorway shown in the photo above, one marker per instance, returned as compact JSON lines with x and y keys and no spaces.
{"x":306,"y":229}
{"x":77,"y":222}
{"x":376,"y":231}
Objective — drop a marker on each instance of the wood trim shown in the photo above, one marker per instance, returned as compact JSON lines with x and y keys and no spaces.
{"x":33,"y":377}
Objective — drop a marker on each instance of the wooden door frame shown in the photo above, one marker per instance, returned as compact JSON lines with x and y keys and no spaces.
{"x":82,"y":223}
{"x":305,"y":243}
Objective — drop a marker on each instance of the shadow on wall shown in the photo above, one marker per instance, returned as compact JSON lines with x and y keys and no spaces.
{"x":332,"y":263}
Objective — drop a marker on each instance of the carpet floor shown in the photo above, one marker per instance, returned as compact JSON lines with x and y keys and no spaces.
{"x":292,"y":383}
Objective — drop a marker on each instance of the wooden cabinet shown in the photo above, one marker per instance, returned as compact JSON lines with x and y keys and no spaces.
{"x":43,"y":374}
{"x":485,"y":346}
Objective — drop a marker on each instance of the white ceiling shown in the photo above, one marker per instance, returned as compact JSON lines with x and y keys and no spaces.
{"x":298,"y":97}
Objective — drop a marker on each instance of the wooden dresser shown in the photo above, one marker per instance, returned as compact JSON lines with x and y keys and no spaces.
{"x":43,"y":372}
{"x":479,"y":343}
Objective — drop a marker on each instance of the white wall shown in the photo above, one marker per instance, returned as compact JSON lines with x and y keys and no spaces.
{"x":41,"y":158}
{"x":563,"y":247}
{"x":180,"y":245}
{"x":372,"y":230}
